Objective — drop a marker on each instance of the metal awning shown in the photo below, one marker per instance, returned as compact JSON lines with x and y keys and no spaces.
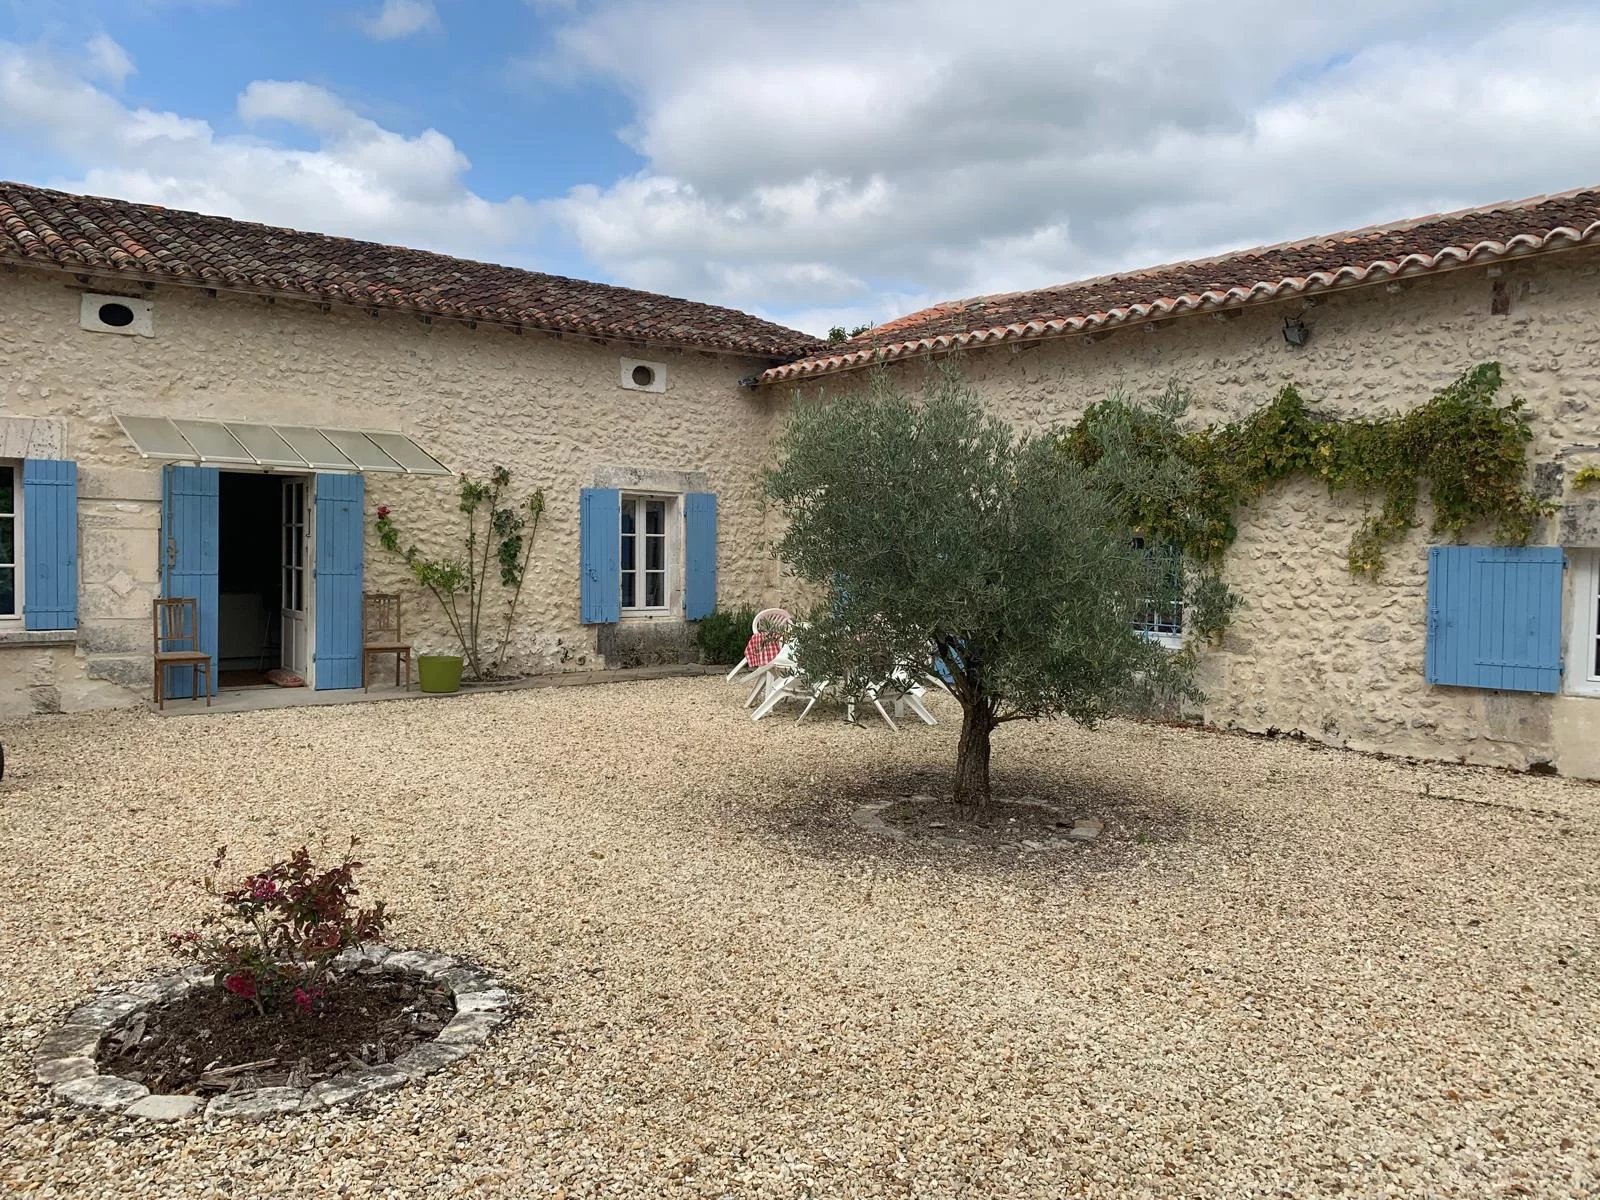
{"x":249,"y":446}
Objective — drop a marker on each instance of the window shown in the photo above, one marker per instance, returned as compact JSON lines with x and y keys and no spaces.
{"x":646,"y":552}
{"x":1160,"y":617}
{"x":10,"y":543}
{"x":1583,"y":642}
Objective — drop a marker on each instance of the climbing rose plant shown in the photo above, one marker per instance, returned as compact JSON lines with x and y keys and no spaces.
{"x":274,"y":942}
{"x":498,"y":537}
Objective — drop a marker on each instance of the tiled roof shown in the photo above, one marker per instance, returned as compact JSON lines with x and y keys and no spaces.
{"x":116,"y":238}
{"x":1339,"y":260}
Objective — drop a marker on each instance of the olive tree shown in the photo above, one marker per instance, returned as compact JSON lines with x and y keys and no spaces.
{"x":946,"y":539}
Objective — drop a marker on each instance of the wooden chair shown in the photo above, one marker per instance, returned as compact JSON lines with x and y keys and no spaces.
{"x":177,"y":619}
{"x":380,"y":634}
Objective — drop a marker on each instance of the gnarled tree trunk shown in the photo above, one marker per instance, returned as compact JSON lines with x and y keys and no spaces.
{"x":972,"y":756}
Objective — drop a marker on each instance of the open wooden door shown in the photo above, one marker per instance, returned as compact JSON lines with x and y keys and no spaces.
{"x":189,"y":539}
{"x":338,"y":572}
{"x":294,"y":602}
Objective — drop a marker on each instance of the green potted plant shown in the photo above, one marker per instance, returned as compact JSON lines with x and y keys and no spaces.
{"x":439,"y":672}
{"x":501,"y":535}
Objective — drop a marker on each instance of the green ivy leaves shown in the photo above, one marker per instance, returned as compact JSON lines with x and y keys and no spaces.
{"x":1469,"y":450}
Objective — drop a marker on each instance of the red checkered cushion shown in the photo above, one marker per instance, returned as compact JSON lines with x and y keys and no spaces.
{"x":762,"y":648}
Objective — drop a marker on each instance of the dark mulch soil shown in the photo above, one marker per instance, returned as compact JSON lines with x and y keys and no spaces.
{"x":1002,"y":823}
{"x":211,"y":1041}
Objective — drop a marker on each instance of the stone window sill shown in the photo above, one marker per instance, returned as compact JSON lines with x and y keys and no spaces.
{"x":37,"y":637}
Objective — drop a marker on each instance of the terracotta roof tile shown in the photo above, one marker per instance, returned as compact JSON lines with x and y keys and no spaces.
{"x":91,"y":235}
{"x":1337,"y":260}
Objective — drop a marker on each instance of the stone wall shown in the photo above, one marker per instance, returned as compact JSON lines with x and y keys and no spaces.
{"x":1316,"y":651}
{"x":551,"y":409}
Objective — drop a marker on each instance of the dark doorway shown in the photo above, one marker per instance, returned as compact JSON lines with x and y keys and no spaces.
{"x":258,"y":519}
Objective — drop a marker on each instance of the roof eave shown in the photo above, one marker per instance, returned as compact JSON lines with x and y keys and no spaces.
{"x":1345,"y":278}
{"x":326,"y":298}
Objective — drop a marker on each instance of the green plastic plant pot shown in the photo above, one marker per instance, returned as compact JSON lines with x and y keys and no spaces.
{"x":439,"y":672}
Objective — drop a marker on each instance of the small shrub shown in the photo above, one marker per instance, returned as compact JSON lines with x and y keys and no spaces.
{"x":722,"y":635}
{"x":502,"y":541}
{"x":279,"y":931}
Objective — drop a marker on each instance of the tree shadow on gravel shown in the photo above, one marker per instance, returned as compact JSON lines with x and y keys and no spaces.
{"x":820,"y":818}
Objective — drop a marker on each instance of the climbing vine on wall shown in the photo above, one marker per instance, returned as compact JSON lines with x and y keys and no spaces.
{"x":1466,"y":447}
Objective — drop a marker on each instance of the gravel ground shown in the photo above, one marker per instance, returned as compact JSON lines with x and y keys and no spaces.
{"x":1281,"y":971}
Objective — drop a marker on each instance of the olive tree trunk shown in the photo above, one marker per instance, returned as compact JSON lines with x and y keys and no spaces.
{"x":972,"y":756}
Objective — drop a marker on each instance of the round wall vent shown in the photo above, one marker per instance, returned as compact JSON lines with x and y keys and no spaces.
{"x":126,"y":315}
{"x":640,"y":376}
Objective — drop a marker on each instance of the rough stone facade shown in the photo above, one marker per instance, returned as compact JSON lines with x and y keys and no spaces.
{"x":1314,"y":650}
{"x":550,"y":409}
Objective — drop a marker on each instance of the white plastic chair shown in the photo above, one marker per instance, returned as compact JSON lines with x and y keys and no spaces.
{"x":904,"y":692}
{"x":774,"y":621}
{"x":788,"y":682}
{"x":772,"y":675}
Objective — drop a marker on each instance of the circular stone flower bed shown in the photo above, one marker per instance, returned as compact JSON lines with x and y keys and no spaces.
{"x":1001,"y":825}
{"x":177,"y":1045}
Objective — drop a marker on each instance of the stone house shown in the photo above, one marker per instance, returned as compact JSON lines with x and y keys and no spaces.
{"x":1441,"y":656}
{"x":204,"y":407}
{"x":645,"y":419}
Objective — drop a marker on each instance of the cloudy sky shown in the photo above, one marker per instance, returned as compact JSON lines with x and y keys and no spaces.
{"x":817,"y":162}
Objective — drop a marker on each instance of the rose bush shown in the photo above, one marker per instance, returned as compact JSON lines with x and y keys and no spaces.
{"x":280,"y":929}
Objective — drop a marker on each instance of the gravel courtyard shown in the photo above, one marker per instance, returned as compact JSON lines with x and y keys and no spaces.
{"x":1281,"y":970}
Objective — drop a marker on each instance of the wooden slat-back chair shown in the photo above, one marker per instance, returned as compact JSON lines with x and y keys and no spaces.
{"x":177,"y":619}
{"x":380,"y":634}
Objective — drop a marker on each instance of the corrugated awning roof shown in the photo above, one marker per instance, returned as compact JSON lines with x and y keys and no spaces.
{"x":251,"y":446}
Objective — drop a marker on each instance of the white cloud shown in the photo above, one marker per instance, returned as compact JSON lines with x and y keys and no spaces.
{"x":360,"y":179}
{"x":844,"y":161}
{"x":843,"y":156}
{"x":401,"y":19}
{"x":107,"y":60}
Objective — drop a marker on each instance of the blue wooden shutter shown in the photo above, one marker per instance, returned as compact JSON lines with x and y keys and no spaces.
{"x":600,"y":552}
{"x":50,"y":544}
{"x":1494,"y":617}
{"x":340,"y":532}
{"x":699,"y":555}
{"x":189,"y":539}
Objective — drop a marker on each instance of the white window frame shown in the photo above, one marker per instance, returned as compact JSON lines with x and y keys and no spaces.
{"x":17,"y":532}
{"x":1172,"y":640}
{"x":671,"y":553}
{"x":1580,"y":678}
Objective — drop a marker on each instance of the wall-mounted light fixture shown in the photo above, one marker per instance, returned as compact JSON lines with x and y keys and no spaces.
{"x":1295,"y":331}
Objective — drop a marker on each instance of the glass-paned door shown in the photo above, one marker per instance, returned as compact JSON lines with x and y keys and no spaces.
{"x":296,"y":647}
